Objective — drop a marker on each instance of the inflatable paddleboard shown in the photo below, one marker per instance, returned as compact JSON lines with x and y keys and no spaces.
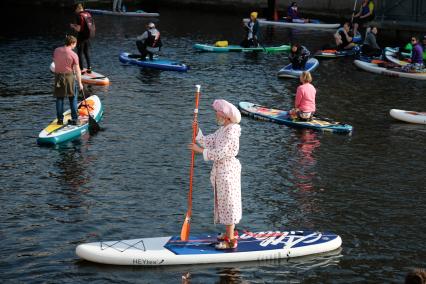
{"x":282,"y":117}
{"x":409,"y":116}
{"x":316,"y":24}
{"x":289,"y":72}
{"x":124,"y":14}
{"x":333,"y":53}
{"x":394,"y":72}
{"x":237,"y":48}
{"x":55,"y":134}
{"x":160,"y":64}
{"x":92,"y":78}
{"x":200,"y":249}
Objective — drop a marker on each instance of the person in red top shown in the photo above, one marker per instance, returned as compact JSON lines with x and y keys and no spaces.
{"x":304,"y":105}
{"x":84,"y":27}
{"x":66,"y":65}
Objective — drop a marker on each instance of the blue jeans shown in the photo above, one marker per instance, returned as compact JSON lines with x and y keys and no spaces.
{"x":60,"y":107}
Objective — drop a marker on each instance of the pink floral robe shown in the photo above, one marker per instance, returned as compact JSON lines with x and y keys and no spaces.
{"x":221,"y":147}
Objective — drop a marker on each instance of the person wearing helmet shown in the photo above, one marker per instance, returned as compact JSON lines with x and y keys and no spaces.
{"x":149,"y":42}
{"x":252,"y":30}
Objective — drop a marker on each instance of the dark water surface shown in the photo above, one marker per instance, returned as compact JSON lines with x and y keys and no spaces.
{"x":131,"y":180}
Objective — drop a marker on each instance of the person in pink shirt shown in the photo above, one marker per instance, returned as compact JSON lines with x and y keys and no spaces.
{"x":304,"y":105}
{"x":66,"y":65}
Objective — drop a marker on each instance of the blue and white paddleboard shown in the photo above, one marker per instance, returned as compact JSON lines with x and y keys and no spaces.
{"x":200,"y":248}
{"x":289,"y":72}
{"x":160,"y":64}
{"x":283,"y":117}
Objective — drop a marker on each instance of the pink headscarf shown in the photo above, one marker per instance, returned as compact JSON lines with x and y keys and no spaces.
{"x":228,"y":110}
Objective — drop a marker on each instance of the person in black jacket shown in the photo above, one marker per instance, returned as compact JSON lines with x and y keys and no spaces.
{"x":298,"y":56}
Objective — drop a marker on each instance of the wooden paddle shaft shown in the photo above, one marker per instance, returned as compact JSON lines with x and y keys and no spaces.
{"x":186,"y":227}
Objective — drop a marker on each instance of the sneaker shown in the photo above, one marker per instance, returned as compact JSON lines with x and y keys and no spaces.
{"x":89,"y":70}
{"x":227,"y":244}
{"x":221,"y":236}
{"x":60,"y":122}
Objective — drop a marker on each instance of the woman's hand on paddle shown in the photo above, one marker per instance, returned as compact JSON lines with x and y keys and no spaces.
{"x":194,"y":147}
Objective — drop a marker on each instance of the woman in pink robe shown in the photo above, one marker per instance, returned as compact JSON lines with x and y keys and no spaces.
{"x":221,"y":147}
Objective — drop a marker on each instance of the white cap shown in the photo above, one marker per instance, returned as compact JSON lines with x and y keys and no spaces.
{"x":151,"y":25}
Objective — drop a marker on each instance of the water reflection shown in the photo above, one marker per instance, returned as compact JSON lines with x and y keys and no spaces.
{"x":305,"y":162}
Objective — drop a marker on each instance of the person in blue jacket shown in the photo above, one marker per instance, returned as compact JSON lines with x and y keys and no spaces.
{"x":365,"y":14}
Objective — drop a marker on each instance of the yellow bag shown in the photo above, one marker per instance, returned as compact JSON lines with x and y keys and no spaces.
{"x":221,"y":43}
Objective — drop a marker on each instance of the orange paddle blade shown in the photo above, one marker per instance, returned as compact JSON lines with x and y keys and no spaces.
{"x":186,"y":228}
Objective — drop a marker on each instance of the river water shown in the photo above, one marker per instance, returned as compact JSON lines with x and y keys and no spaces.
{"x":131,"y":180}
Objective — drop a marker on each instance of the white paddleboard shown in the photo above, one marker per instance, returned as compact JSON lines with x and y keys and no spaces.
{"x":200,"y":248}
{"x":409,"y":116}
{"x":311,"y":26}
{"x":374,"y":68}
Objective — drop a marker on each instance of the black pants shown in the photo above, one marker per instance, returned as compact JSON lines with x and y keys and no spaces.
{"x":83,"y":48}
{"x":142,"y":49}
{"x":249,"y":43}
{"x":299,"y":64}
{"x":369,"y":51}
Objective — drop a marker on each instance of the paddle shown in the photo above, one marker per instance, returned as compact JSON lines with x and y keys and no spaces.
{"x":186,"y":227}
{"x":353,"y":11}
{"x":93,"y":125}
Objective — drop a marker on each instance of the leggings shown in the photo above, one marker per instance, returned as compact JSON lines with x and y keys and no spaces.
{"x":83,"y":48}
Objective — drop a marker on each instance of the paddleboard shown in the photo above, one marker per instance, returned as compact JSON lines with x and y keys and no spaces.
{"x":200,"y":249}
{"x":282,"y":117}
{"x":55,"y":134}
{"x":396,"y":50}
{"x":156,"y":63}
{"x":394,"y":72}
{"x":391,"y":57}
{"x":333,"y":53}
{"x":124,"y":14}
{"x":289,"y":72}
{"x":92,"y":78}
{"x":237,"y":48}
{"x":409,"y":116}
{"x":316,"y":24}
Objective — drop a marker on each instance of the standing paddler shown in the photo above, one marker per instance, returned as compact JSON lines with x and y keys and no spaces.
{"x":221,"y":147}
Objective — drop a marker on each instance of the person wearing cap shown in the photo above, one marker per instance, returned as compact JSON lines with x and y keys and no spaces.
{"x":222,"y":147}
{"x":293,"y":14}
{"x":304,"y":104}
{"x":298,"y":56}
{"x":252,"y":32}
{"x":149,"y":42}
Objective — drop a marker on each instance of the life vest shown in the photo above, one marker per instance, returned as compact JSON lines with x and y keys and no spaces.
{"x":368,"y":8}
{"x":87,"y":25}
{"x":153,"y":39}
{"x":86,"y":104}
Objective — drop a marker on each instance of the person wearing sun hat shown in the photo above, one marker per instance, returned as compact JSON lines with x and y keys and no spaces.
{"x":222,"y":147}
{"x":252,"y":32}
